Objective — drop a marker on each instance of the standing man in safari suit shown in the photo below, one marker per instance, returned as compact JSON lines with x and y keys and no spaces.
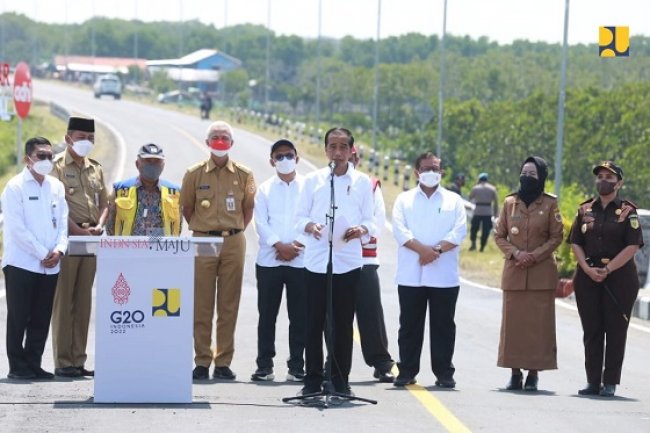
{"x":87,"y":199}
{"x":218,"y":196}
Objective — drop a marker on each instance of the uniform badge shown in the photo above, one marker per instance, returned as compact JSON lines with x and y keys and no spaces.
{"x":618,"y":211}
{"x":70,"y":191}
{"x":583,"y":229}
{"x":205,"y":204}
{"x":514,"y":230}
{"x":541,"y":212}
{"x":558,"y":217}
{"x":634,"y":222}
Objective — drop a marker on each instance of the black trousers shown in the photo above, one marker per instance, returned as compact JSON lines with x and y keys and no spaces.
{"x":485,"y":223}
{"x":343,"y":288}
{"x":442,"y":328}
{"x":270,"y":284}
{"x":604,"y":328}
{"x":29,"y":309}
{"x":370,"y":320}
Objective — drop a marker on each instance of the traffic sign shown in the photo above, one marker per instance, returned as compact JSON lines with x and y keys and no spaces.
{"x":22,"y":89}
{"x":4,"y":74}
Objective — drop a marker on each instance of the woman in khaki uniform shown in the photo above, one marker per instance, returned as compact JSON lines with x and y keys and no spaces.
{"x":528,"y":230}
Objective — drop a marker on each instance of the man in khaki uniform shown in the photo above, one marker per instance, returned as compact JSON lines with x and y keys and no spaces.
{"x":484,"y":196}
{"x":217,"y":196}
{"x":87,"y":200}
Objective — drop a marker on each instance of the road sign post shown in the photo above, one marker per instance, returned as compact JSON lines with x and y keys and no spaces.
{"x":22,"y":104}
{"x":5,"y":91}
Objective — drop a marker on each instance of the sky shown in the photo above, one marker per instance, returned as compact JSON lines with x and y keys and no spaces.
{"x":500,"y":20}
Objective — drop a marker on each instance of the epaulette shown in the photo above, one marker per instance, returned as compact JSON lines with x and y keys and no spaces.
{"x":548,"y":194}
{"x":592,"y":199}
{"x":197,"y":166}
{"x":512,"y":193}
{"x":94,"y":161}
{"x":631,"y":203}
{"x":59,"y":156}
{"x":242,"y":167}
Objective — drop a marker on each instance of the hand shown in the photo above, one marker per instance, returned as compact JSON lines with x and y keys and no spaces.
{"x":52,"y":259}
{"x":428,"y":255}
{"x":96,"y":231}
{"x":286,"y":252}
{"x":353,"y":233}
{"x":597,"y":274}
{"x":525,"y":259}
{"x":315,"y":229}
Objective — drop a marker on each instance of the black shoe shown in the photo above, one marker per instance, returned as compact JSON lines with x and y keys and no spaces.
{"x":472,"y":248}
{"x":87,"y":373}
{"x":67,"y":372}
{"x":42,"y":374}
{"x":201,"y":373}
{"x":590,"y":389}
{"x":263,"y":375}
{"x":608,"y":391}
{"x":26,"y":374}
{"x":515,"y":383}
{"x":531,"y":383}
{"x":295,"y":375}
{"x":384,"y":376}
{"x":309,"y":390}
{"x":446,"y":383}
{"x":223,"y":373}
{"x":403,"y":380}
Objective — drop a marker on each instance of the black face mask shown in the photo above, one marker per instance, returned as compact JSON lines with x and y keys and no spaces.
{"x":528,"y":184}
{"x":604,"y":187}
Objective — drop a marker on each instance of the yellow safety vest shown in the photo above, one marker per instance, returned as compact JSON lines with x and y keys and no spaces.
{"x":126,"y":207}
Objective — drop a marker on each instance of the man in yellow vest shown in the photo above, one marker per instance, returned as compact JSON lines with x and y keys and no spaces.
{"x":145,"y":205}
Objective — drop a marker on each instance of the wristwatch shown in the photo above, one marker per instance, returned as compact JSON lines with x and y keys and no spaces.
{"x":438,"y":249}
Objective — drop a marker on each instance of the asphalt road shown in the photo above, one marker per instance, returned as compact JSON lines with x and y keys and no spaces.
{"x":478,"y":404}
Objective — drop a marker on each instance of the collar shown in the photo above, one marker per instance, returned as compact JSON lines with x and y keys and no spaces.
{"x":139,"y":184}
{"x":617,"y":202}
{"x":420,"y":191}
{"x":28,"y":176}
{"x":69,"y":160}
{"x":212,"y":166}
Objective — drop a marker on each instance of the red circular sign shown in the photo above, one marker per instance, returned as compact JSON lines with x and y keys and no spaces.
{"x":22,"y":89}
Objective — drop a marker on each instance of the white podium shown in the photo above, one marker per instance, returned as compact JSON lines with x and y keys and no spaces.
{"x":144,"y":315}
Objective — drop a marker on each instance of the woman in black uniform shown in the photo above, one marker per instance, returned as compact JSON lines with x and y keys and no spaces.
{"x":605,"y":236}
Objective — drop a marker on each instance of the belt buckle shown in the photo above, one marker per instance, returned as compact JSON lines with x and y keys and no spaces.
{"x":225,"y":233}
{"x":604,"y":261}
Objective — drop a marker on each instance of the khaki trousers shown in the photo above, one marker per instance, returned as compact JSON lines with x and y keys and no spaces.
{"x":224,"y":272}
{"x":71,"y":311}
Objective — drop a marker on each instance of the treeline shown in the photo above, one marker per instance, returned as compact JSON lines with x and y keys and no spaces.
{"x":501,"y":100}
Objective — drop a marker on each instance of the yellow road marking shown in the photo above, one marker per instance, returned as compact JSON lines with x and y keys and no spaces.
{"x":190,"y":137}
{"x":430,"y":403}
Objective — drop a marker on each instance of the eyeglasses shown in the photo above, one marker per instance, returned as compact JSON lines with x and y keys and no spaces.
{"x":283,"y":156}
{"x":43,"y":156}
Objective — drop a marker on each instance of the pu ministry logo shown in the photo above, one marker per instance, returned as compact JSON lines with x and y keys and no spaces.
{"x":614,"y":41}
{"x":166,"y":303}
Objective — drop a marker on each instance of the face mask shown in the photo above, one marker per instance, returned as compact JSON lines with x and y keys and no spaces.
{"x":430,"y":179}
{"x":528,"y":183}
{"x":219,"y":147}
{"x":604,"y":187}
{"x":151,"y":172}
{"x":285,"y":166}
{"x":42,"y":167}
{"x":82,"y":147}
{"x":219,"y":153}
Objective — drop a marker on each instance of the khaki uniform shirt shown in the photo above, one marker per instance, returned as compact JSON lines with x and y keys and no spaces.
{"x":484,"y":196}
{"x":218,"y":195}
{"x":536,"y":229}
{"x":85,"y":191}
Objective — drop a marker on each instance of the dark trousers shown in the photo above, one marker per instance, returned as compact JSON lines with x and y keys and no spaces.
{"x":442,"y":328}
{"x":604,"y":328}
{"x":370,"y":320}
{"x":29,"y":309}
{"x":270,"y":283}
{"x":342,"y":314}
{"x":483,"y":222}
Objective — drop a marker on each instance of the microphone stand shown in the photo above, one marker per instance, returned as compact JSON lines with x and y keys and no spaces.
{"x":328,"y":387}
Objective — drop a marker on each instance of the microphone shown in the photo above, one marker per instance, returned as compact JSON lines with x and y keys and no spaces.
{"x":332,"y":165}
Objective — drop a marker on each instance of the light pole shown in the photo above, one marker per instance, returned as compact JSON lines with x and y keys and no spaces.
{"x":375,"y":98}
{"x":560,"y":105}
{"x":441,"y":92}
{"x":318,"y":54}
{"x":267,"y":80}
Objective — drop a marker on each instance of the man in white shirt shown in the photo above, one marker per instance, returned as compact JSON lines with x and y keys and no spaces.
{"x":279,"y":263}
{"x":35,"y":238}
{"x":352,"y":194}
{"x":429,"y":224}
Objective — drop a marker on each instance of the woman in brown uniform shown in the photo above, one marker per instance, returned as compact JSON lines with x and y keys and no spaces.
{"x":605,"y":236}
{"x":528,"y":230}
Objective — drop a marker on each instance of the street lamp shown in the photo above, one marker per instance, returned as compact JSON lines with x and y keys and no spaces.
{"x":441,"y":93}
{"x":560,"y":105}
{"x":375,"y":99}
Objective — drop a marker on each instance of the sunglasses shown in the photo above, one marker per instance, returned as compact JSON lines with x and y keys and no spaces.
{"x":44,"y":156}
{"x":283,"y":156}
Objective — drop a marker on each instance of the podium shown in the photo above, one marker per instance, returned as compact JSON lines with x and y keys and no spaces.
{"x":144,"y":315}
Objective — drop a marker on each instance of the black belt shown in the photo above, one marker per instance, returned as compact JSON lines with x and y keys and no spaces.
{"x":597,"y":262}
{"x":223,"y":233}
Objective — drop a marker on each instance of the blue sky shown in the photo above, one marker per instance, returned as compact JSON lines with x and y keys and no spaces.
{"x":500,"y":20}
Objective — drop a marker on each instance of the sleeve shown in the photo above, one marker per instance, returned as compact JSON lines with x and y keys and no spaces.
{"x":555,"y":229}
{"x":379,"y":211}
{"x":501,"y":233}
{"x":633,"y":233}
{"x":401,"y":230}
{"x":261,"y":214}
{"x":188,"y":191}
{"x":62,"y":235}
{"x":303,"y":207}
{"x":495,"y":202}
{"x":110,"y":220}
{"x":249,"y":192}
{"x":472,"y":195}
{"x":367,"y":211}
{"x":14,"y":220}
{"x":575,"y":234}
{"x":459,"y":230}
{"x":103,"y":192}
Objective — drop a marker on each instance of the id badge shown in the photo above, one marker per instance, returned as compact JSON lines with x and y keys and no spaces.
{"x":230,"y":203}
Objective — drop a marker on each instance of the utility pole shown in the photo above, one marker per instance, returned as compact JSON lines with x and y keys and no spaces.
{"x":441,"y":92}
{"x":559,"y":143}
{"x":375,"y":99}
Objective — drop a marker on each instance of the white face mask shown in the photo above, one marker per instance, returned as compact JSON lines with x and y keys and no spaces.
{"x":82,"y":147}
{"x":42,"y":167}
{"x":430,"y":179}
{"x":219,"y":153}
{"x":286,"y":166}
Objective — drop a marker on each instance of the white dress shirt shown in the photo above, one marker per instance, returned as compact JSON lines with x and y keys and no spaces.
{"x":354,"y":206}
{"x":379,"y":213}
{"x":275,"y":211}
{"x":429,"y":220}
{"x":35,"y":222}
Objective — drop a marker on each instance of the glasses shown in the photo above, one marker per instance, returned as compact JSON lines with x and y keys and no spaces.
{"x":44,"y":156}
{"x":283,"y":156}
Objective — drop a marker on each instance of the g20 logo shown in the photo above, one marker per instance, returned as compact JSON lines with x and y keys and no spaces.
{"x":127,"y":317}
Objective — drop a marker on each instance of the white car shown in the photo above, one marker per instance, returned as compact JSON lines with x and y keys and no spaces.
{"x":108,"y":84}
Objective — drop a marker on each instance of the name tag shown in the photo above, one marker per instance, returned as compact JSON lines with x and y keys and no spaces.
{"x":33,"y":198}
{"x":204,"y":186}
{"x":70,"y":176}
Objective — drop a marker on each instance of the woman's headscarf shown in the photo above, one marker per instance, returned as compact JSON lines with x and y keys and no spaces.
{"x":529,"y":193}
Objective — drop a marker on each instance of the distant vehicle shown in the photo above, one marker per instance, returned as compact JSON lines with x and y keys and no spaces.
{"x":108,"y":85}
{"x":179,"y":97}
